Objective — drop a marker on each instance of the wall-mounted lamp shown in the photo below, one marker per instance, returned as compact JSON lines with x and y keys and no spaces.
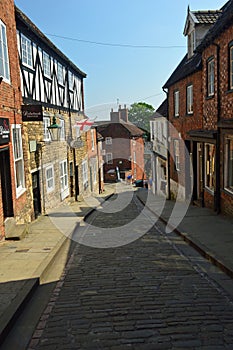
{"x":1,"y":79}
{"x":54,"y":130}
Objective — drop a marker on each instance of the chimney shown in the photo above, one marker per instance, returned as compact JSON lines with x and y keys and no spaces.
{"x":124,"y":114}
{"x":115,"y":116}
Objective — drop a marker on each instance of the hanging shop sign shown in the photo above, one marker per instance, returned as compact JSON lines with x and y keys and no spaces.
{"x":4,"y":131}
{"x":32,"y":113}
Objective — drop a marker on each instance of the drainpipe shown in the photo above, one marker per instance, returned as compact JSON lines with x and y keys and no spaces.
{"x":217,"y":204}
{"x":168,"y":149}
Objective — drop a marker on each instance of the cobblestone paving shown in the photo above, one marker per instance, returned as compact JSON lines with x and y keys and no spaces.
{"x":150,"y":294}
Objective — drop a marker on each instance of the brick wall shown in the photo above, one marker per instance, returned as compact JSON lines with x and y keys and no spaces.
{"x":180,"y":126}
{"x":10,"y":107}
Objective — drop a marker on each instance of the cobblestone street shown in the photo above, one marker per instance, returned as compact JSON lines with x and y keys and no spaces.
{"x":154,"y":293}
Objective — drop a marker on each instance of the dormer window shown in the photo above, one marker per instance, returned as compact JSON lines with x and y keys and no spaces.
{"x":191,"y":43}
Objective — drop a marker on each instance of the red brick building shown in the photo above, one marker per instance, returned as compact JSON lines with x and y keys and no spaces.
{"x":15,"y":189}
{"x":200,"y":110}
{"x":187,"y":132}
{"x":217,"y":86}
{"x":123,"y":147}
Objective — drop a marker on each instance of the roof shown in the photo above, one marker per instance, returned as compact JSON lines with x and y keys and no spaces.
{"x":132,"y":129}
{"x":186,"y":67}
{"x":206,"y":17}
{"x":161,"y":111}
{"x":20,"y":16}
{"x":223,"y":21}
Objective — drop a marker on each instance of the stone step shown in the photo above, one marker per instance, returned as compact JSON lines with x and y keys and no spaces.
{"x":14,"y":231}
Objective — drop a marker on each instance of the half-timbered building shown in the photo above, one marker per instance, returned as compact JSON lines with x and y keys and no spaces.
{"x":52,"y":90}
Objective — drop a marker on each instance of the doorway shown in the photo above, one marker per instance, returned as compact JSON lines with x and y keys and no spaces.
{"x":36,"y":193}
{"x":6,"y":186}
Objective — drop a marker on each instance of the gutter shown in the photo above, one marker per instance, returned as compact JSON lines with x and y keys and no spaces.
{"x":217,"y":202}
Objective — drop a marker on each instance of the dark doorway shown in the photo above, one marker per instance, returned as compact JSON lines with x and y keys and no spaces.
{"x":5,"y":173}
{"x":36,"y":193}
{"x":76,"y":183}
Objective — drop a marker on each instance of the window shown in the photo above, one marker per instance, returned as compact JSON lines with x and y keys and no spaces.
{"x":94,"y":170}
{"x":49,"y":174}
{"x":60,"y":73}
{"x":109,"y":158}
{"x":46,"y":64}
{"x":191,"y":43}
{"x":189,"y":101}
{"x":229,"y":164}
{"x":231,"y":66}
{"x":209,"y":166}
{"x":71,"y":80}
{"x":210,"y":77}
{"x":18,"y":159}
{"x":46,"y":123}
{"x":134,"y":157}
{"x":92,"y":139}
{"x":177,"y":155}
{"x":176,"y":103}
{"x":26,"y":51}
{"x":64,"y":176}
{"x":4,"y":60}
{"x":62,"y":132}
{"x":108,"y":140}
{"x":85,"y":174}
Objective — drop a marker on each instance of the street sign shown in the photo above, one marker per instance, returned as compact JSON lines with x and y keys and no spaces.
{"x":32,"y":113}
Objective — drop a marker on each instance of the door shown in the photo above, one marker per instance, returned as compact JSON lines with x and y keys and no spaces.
{"x":6,"y":186}
{"x":36,"y":193}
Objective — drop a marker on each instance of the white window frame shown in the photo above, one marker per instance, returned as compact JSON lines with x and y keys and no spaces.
{"x":64,"y":179}
{"x":60,"y":74}
{"x":71,"y":80}
{"x":85,"y":173}
{"x":62,"y":132}
{"x":18,"y":160}
{"x":46,"y":64}
{"x":176,"y":144}
{"x":4,"y":59}
{"x":50,"y":185}
{"x":46,"y":123}
{"x":109,"y":159}
{"x":228,"y":184}
{"x":189,"y":97}
{"x":176,"y":103}
{"x":108,"y":140}
{"x":210,"y":77}
{"x":26,"y":51}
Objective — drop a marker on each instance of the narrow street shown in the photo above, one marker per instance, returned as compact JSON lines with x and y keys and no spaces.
{"x":155,"y":293}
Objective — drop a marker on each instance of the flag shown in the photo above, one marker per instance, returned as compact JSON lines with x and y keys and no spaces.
{"x":84,"y":124}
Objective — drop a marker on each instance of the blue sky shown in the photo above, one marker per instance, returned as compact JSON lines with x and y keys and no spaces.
{"x":118,"y":74}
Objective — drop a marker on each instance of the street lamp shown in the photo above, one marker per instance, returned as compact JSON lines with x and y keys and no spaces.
{"x":54,"y":130}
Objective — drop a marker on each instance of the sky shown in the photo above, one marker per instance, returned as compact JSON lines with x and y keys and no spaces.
{"x":127,"y":48}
